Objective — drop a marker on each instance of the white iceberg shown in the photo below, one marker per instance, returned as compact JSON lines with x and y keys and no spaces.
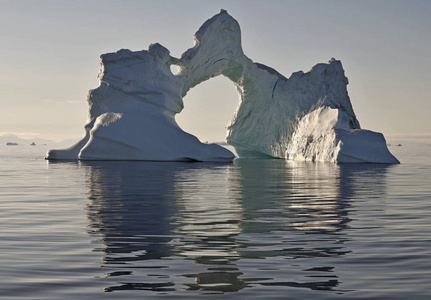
{"x":305,"y":117}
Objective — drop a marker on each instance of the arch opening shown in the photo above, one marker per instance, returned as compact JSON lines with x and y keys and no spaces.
{"x":174,"y":69}
{"x":208,"y":109}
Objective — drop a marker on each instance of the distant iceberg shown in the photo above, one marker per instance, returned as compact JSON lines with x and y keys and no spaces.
{"x":305,"y":117}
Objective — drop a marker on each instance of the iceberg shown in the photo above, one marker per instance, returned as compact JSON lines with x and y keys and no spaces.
{"x":307,"y":116}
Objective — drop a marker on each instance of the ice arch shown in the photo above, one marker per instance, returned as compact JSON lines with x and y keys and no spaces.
{"x":306,"y":117}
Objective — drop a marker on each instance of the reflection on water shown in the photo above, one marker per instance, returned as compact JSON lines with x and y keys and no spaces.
{"x":171,"y":227}
{"x":131,"y":208}
{"x":208,"y":222}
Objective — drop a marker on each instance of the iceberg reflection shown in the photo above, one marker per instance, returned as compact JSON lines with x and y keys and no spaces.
{"x":223,"y":227}
{"x":128,"y":211}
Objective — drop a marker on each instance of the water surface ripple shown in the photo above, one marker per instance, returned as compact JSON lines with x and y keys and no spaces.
{"x":263,"y":228}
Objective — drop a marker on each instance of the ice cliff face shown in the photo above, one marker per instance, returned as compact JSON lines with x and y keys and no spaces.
{"x":305,"y":117}
{"x":132,"y":113}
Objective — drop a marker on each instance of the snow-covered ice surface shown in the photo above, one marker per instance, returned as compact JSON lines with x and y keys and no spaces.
{"x":308,"y":116}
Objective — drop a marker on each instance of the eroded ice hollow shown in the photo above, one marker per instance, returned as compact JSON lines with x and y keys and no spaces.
{"x":305,"y":117}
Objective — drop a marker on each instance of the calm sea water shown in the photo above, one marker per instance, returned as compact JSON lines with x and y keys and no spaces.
{"x":253,"y":229}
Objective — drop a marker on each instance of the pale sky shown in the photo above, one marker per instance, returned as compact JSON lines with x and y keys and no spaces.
{"x":49,"y":57}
